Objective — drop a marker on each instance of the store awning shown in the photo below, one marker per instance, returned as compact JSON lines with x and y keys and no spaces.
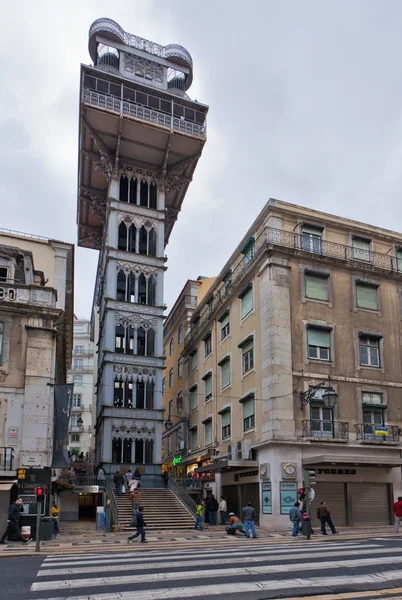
{"x":228,"y":465}
{"x":6,"y":487}
{"x":357,"y":461}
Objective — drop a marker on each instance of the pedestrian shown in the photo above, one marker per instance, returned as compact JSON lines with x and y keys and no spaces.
{"x":71,"y":475}
{"x":129,"y":477}
{"x":199,"y":515}
{"x":398,"y":513}
{"x":13,"y":531}
{"x":235,"y":525}
{"x":101,"y":476}
{"x":140,"y":524}
{"x":295,"y":518}
{"x":137,"y":474}
{"x":324,"y":516}
{"x":135,"y":499}
{"x":55,"y":514}
{"x":133,"y":485}
{"x":248,"y":514}
{"x":212,"y":507}
{"x":165,"y":476}
{"x":223,"y":508}
{"x":118,"y":479}
{"x":204,"y":507}
{"x":81,"y":456}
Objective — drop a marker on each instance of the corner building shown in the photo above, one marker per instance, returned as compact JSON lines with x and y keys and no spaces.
{"x":305,"y":296}
{"x":140,"y":139}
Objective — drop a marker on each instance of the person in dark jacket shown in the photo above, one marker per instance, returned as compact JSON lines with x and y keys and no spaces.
{"x":13,"y":531}
{"x":140,"y":525}
{"x":137,"y":474}
{"x":118,"y":479}
{"x":324,"y":516}
{"x":165,"y":476}
{"x":212,"y":507}
{"x":248,"y":514}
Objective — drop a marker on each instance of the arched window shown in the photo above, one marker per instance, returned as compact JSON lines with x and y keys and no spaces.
{"x":151,"y":290}
{"x":128,"y":394}
{"x":140,"y":395}
{"x":127,"y":445}
{"x":130,"y":340}
{"x":133,"y":191}
{"x":139,"y":451}
{"x":122,"y":239}
{"x":143,"y":241}
{"x":141,"y":341}
{"x":120,"y":339}
{"x":152,"y":242}
{"x":132,"y":234}
{"x":123,"y":197}
{"x":149,"y":452}
{"x":118,"y":399}
{"x":121,"y":286}
{"x":142,"y":289}
{"x":116,"y":450}
{"x":152,"y":195}
{"x":144,"y":193}
{"x":150,"y":342}
{"x":149,"y":395}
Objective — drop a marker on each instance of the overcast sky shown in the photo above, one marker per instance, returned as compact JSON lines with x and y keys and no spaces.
{"x":305,"y":106}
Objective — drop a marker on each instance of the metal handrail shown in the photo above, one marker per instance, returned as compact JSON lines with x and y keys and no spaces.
{"x":111,"y":497}
{"x":182,"y":496}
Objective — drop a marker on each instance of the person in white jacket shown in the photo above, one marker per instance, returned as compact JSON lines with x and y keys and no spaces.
{"x":223,"y":510}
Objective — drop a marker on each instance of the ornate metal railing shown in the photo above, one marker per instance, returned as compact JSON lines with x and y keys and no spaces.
{"x":142,"y":113}
{"x":368,"y":432}
{"x":109,"y":485}
{"x":6,"y":458}
{"x":182,"y":496}
{"x":185,"y":301}
{"x":325,"y":430}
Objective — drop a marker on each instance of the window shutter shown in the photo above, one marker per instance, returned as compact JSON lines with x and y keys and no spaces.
{"x":194,"y":399}
{"x":208,"y":385}
{"x":247,"y":347}
{"x":225,"y":373}
{"x":225,"y":321}
{"x":361,"y":244}
{"x":208,"y":433}
{"x":226,"y":418}
{"x":194,"y":361}
{"x":248,"y":408}
{"x":318,"y":337}
{"x":367,"y":296}
{"x":317,"y":287}
{"x":312,"y":230}
{"x":247,"y":303}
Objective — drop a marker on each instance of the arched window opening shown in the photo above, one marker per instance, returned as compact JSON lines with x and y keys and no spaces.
{"x":149,"y":452}
{"x":152,"y":290}
{"x":149,"y":395}
{"x":144,"y":193}
{"x":143,"y":241}
{"x":118,"y":394}
{"x":132,"y":232}
{"x":142,"y":289}
{"x":131,"y":288}
{"x":141,"y":341}
{"x":130,"y":340}
{"x":121,"y":287}
{"x":116,"y":450}
{"x":140,"y":395}
{"x":128,"y":395}
{"x":127,"y":445}
{"x":152,"y":195}
{"x":123,"y":196}
{"x":122,"y":238}
{"x":152,"y":242}
{"x":139,"y":451}
{"x":120,"y":339}
{"x":133,"y":191}
{"x":150,"y":342}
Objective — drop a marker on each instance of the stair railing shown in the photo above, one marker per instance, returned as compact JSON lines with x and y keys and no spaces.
{"x":113,"y":504}
{"x":183,"y":496}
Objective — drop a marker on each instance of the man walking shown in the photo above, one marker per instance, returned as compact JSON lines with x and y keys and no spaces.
{"x":398,"y":513}
{"x":235,"y":524}
{"x":223,"y":508}
{"x":101,"y":476}
{"x":199,"y":516}
{"x":212,"y":506}
{"x":295,"y":518}
{"x":55,"y":513}
{"x":135,"y":499}
{"x":248,"y":514}
{"x":118,"y":479}
{"x":324,"y":516}
{"x":13,"y":531}
{"x":140,"y":525}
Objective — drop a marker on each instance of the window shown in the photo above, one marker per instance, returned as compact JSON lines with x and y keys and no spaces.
{"x":248,"y":413}
{"x":1,"y":341}
{"x":246,"y":298}
{"x":180,"y":335}
{"x":312,"y":239}
{"x":194,"y":397}
{"x":77,"y":380}
{"x":227,"y":281}
{"x":399,"y":259}
{"x":171,"y":346}
{"x":248,"y":250}
{"x":367,"y":296}
{"x":77,"y":364}
{"x":171,"y":377}
{"x":225,"y":325}
{"x":361,"y":249}
{"x":318,"y":340}
{"x":170,"y":412}
{"x":225,"y":422}
{"x":194,"y":438}
{"x":74,"y":437}
{"x":371,"y":398}
{"x":372,"y":418}
{"x":194,"y":360}
{"x":317,"y":286}
{"x":180,"y":368}
{"x":247,"y":357}
{"x":163,"y":386}
{"x":208,"y":432}
{"x":207,"y":345}
{"x":76,"y":400}
{"x":369,"y":351}
{"x":207,"y":387}
{"x":74,"y":421}
{"x":225,"y":372}
{"x":79,"y":350}
{"x":321,"y":421}
{"x":179,"y":402}
{"x":4,"y":270}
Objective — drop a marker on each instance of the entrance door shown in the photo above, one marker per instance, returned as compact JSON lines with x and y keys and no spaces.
{"x":370,"y":504}
{"x":334,"y":494}
{"x":250,"y":492}
{"x":230,"y":493}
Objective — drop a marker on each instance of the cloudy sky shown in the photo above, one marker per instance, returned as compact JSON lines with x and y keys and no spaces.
{"x":305,"y":106}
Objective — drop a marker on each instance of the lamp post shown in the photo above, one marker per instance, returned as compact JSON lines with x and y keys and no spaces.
{"x":330,"y":397}
{"x":80,"y":422}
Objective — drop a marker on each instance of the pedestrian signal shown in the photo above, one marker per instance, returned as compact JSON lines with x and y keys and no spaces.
{"x":40,"y":494}
{"x":302,"y":494}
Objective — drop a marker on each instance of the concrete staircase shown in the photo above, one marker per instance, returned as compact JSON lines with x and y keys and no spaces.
{"x":162,"y":510}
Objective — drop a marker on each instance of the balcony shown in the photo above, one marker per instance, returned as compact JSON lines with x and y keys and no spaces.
{"x":186,"y":301}
{"x":76,"y":428}
{"x":377,"y":434}
{"x":6,"y":458}
{"x":325,"y":430}
{"x":77,"y":408}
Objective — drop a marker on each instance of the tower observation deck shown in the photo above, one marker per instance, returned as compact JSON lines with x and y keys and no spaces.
{"x":140,"y":138}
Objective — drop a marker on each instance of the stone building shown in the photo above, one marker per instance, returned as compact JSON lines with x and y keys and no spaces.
{"x":36,"y":313}
{"x":305,"y":296}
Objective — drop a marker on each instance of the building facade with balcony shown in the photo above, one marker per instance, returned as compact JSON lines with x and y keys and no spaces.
{"x":36,"y":314}
{"x":80,"y":435}
{"x":305,"y":296}
{"x":140,"y":139}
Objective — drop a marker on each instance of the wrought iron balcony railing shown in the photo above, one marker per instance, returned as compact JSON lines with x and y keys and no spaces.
{"x":6,"y":458}
{"x":378,"y":434}
{"x":325,"y":430}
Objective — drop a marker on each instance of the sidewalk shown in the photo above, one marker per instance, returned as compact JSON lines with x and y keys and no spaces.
{"x":82,"y":537}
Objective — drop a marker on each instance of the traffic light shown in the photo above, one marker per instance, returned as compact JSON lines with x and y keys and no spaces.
{"x":40,"y":494}
{"x":302,"y":494}
{"x":311,"y":473}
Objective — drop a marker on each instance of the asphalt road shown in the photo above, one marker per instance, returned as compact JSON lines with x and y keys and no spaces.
{"x":253,"y":570}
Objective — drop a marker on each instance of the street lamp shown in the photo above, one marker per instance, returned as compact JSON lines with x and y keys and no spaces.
{"x":168,"y":424}
{"x":80,"y":422}
{"x":330,"y":397}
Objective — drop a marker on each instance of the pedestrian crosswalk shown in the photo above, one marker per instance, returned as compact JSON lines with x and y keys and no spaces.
{"x":289,"y":570}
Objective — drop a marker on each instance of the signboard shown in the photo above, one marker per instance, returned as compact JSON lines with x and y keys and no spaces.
{"x":63,"y":394}
{"x":12,"y":432}
{"x":381,"y":430}
{"x":86,"y":489}
{"x":177,"y":460}
{"x":266,"y":498}
{"x":288,"y":493}
{"x":31,"y":460}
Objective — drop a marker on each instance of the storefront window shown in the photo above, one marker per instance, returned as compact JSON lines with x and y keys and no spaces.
{"x":266,"y":498}
{"x":288,"y":492}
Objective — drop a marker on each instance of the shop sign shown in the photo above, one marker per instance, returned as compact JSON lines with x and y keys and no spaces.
{"x":12,"y":432}
{"x":31,"y":460}
{"x":86,"y":489}
{"x":336,"y":471}
{"x":266,"y":498}
{"x":380,"y":430}
{"x":246,"y":474}
{"x":288,"y":493}
{"x":177,"y":460}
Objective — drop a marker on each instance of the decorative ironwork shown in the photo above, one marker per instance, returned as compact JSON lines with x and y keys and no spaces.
{"x":325,"y":430}
{"x":388,"y":434}
{"x":329,"y":396}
